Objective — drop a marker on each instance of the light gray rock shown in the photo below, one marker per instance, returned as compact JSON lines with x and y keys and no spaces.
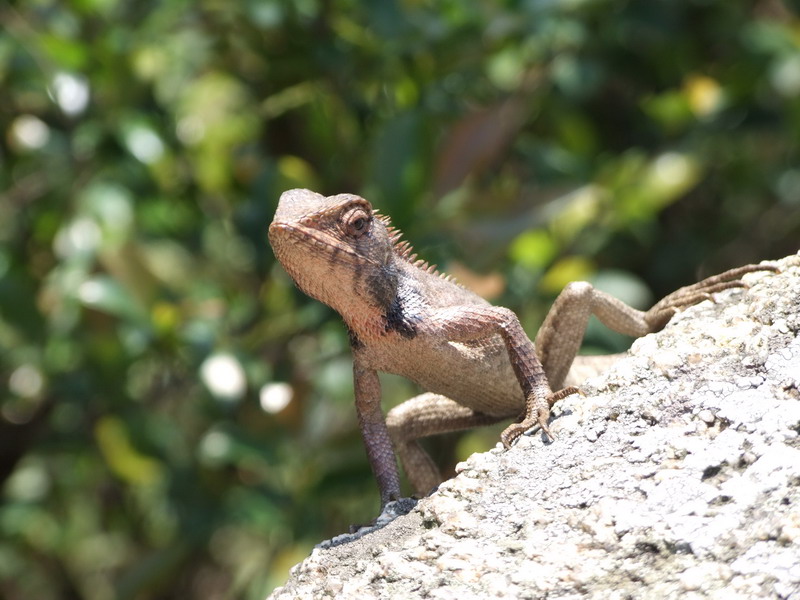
{"x":676,"y":476}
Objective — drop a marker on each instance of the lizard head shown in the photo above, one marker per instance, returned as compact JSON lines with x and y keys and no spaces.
{"x":335,"y":248}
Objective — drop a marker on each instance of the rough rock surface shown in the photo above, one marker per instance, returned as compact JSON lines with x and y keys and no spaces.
{"x":677,"y":475}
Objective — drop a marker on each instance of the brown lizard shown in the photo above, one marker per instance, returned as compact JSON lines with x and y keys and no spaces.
{"x":474,"y":360}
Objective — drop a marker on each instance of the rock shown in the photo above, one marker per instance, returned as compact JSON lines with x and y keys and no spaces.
{"x":678,"y":475}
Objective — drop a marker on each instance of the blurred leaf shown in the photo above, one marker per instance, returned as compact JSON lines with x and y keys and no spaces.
{"x":578,"y":211}
{"x":68,"y":53}
{"x":106,"y":294}
{"x":534,"y":249}
{"x":475,"y":142}
{"x":672,"y":110}
{"x":704,"y":95}
{"x":396,"y":161}
{"x":123,"y":459}
{"x":297,"y":173}
{"x":566,"y":270}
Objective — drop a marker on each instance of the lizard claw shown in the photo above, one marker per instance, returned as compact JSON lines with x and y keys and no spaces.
{"x":514,"y":431}
{"x":658,"y":316}
{"x":511,"y":434}
{"x":540,"y":417}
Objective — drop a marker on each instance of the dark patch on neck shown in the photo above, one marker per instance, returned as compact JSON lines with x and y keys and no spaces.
{"x":398,"y":320}
{"x":406,"y":310}
{"x":391,"y":294}
{"x":382,"y":285}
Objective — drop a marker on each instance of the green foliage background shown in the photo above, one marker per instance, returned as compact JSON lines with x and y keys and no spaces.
{"x":143,"y":147}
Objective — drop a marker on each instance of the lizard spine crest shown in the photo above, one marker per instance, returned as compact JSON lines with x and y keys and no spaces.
{"x":403,"y":249}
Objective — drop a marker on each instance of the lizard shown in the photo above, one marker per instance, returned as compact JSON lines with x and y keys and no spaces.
{"x":474,"y":361}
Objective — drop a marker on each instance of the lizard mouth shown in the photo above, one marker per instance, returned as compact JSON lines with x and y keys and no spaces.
{"x":317,"y":241}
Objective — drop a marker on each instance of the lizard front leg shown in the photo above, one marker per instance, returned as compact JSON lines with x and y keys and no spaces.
{"x":560,"y":336}
{"x":373,"y":430}
{"x":474,"y":322}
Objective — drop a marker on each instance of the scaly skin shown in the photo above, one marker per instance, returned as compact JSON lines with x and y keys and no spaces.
{"x":474,"y":361}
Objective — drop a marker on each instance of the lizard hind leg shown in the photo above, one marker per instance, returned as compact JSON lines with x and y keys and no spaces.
{"x":421,"y":416}
{"x":560,"y":336}
{"x":664,"y":309}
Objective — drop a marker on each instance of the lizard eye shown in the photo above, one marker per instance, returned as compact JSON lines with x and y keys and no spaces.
{"x":356,"y":222}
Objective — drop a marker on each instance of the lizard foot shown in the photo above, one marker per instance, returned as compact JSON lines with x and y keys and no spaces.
{"x":665,"y":309}
{"x":536,"y":415}
{"x":391,"y":511}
